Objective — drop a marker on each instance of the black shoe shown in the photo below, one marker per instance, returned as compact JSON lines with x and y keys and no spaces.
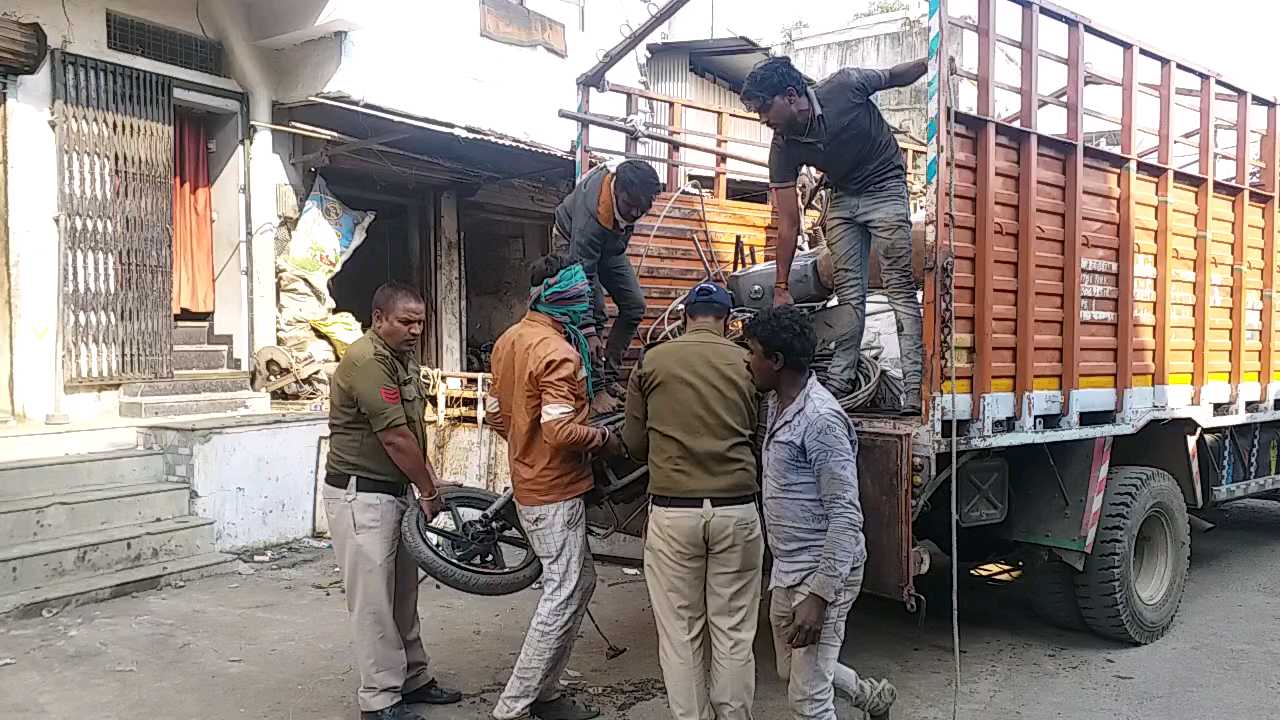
{"x":563,"y":708}
{"x":911,"y":402}
{"x":433,"y":694}
{"x":399,"y":711}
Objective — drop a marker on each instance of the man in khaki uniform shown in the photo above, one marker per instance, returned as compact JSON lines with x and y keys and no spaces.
{"x":691,"y":414}
{"x":376,"y":451}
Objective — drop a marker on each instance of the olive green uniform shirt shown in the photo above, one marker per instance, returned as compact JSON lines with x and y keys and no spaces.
{"x":375,"y":388}
{"x":691,"y":414}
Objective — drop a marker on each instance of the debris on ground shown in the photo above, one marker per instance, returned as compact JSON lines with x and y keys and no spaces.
{"x":8,"y":661}
{"x":630,"y":571}
{"x":316,"y":543}
{"x":233,"y":586}
{"x":572,"y":674}
{"x":245,"y":570}
{"x":49,"y":612}
{"x":178,"y":584}
{"x":235,"y":659}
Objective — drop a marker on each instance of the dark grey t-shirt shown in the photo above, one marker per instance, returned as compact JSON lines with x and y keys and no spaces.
{"x":848,"y":138}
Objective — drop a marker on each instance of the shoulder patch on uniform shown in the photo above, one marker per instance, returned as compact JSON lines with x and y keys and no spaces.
{"x":390,"y":394}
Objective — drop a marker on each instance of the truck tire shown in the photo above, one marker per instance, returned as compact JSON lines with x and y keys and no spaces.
{"x":437,"y":559}
{"x":1053,"y":595}
{"x":1132,"y":584}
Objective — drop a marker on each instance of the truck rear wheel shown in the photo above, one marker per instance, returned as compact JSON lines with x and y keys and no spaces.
{"x":1053,"y":595}
{"x":1132,"y":584}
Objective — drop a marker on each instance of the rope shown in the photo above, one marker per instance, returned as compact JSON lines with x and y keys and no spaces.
{"x":951,"y":371}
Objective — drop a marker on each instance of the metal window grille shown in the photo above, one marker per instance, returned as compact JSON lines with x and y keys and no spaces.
{"x":164,"y":44}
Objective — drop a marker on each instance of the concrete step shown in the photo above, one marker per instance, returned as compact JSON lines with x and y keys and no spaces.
{"x":43,"y":517}
{"x":245,"y":401}
{"x":200,"y":357}
{"x":113,"y":584}
{"x":51,"y":441}
{"x":189,"y":382}
{"x":54,"y":475}
{"x":191,"y":332}
{"x":32,"y":565}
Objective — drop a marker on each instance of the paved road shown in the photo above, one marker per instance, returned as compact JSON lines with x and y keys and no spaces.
{"x":274,"y":645}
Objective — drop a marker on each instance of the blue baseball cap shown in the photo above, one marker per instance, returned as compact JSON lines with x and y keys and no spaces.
{"x":709,"y":293}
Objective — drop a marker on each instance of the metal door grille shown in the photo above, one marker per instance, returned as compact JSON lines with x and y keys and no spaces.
{"x":114,"y":128}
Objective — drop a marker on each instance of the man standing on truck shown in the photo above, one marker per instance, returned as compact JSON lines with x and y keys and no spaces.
{"x":539,"y":404}
{"x":376,"y":452}
{"x":691,"y":415}
{"x":593,"y":226}
{"x":814,"y":520}
{"x":835,"y":127}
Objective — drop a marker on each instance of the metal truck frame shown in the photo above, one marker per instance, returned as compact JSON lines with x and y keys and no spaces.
{"x":1099,"y":318}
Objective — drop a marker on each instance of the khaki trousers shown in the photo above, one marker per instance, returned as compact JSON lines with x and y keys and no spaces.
{"x":812,"y":673}
{"x":702,"y":566}
{"x":382,"y":593}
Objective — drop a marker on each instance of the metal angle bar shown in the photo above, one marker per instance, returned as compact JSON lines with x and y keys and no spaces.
{"x":610,"y":124}
{"x":376,"y":141}
{"x":1239,"y":229}
{"x":595,"y":76}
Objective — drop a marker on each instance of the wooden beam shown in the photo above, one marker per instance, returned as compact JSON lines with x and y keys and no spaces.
{"x":1030,"y":66}
{"x":1204,"y":228}
{"x":1164,"y":217}
{"x":1239,"y":231}
{"x":986,"y":58}
{"x":1028,"y":190}
{"x":1271,"y":162}
{"x":1073,"y":239}
{"x":450,"y":290}
{"x":1124,"y":279}
{"x":722,"y":163}
{"x":673,"y":150}
{"x":984,"y":282}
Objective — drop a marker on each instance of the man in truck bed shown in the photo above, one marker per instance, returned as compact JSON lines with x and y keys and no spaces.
{"x":834,"y":127}
{"x":593,"y":227}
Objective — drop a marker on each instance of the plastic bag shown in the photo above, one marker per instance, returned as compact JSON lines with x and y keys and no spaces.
{"x":341,"y":329}
{"x":327,"y":233}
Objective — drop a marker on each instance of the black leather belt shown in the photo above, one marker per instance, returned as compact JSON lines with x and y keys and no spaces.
{"x":366,"y":485}
{"x":683,"y":502}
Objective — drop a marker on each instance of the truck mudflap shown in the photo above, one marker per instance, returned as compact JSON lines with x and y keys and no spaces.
{"x":884,"y":483}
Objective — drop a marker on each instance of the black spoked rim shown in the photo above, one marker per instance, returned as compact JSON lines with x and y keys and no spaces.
{"x":458,"y":537}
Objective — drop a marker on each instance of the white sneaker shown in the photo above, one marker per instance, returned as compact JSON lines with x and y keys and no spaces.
{"x":875,"y":697}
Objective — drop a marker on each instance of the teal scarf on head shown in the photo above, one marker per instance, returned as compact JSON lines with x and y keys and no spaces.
{"x":566,"y":298}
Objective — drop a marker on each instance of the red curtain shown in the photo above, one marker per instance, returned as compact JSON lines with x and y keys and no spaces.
{"x":192,"y":218}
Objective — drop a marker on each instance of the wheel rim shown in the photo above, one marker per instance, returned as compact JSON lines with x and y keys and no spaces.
{"x":1153,"y":558}
{"x":484,"y":552}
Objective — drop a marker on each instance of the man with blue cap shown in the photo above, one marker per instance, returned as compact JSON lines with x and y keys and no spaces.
{"x":691,"y":414}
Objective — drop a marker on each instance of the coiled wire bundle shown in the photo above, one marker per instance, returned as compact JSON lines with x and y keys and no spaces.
{"x":873,"y":386}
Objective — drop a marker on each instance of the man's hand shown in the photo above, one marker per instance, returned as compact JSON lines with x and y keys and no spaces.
{"x":613,"y":447}
{"x":782,"y":296}
{"x":806,"y":622}
{"x":433,"y":507}
{"x":595,"y":347}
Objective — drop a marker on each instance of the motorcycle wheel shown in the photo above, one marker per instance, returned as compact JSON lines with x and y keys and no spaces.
{"x":465,"y":554}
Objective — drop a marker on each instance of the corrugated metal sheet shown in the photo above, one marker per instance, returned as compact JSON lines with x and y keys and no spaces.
{"x":669,"y":75}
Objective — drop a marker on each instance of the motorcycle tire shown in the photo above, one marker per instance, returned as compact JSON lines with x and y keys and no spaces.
{"x":432,"y":554}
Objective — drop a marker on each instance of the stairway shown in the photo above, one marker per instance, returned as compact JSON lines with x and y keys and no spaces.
{"x":205,"y":380}
{"x":78,"y":528}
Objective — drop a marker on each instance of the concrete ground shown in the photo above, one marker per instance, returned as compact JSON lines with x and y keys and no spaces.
{"x":274,"y":644}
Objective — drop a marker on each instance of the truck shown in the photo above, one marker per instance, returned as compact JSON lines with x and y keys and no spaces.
{"x":1098,"y":263}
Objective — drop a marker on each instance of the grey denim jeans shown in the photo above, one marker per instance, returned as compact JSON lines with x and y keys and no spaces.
{"x":879,"y":217}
